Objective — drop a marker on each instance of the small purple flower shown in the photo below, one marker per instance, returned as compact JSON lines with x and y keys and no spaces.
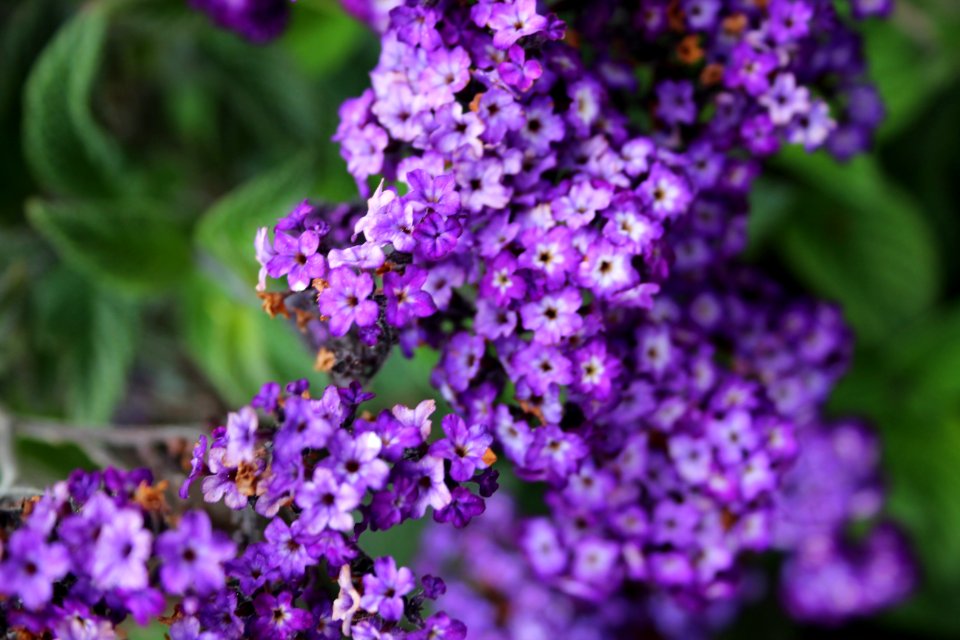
{"x":518,"y":72}
{"x":433,"y":586}
{"x":345,"y":301}
{"x":555,"y":452}
{"x":356,"y":460}
{"x":121,"y":552}
{"x":288,"y":548}
{"x":327,"y":502}
{"x":277,"y":618}
{"x":416,"y":25}
{"x":430,"y":194}
{"x":297,"y":258}
{"x":675,"y":102}
{"x":254,"y":568}
{"x":543,"y":366}
{"x":514,"y":20}
{"x":196,"y":466}
{"x":431,"y":488}
{"x":466,"y":448}
{"x":31,"y":567}
{"x":240,"y":436}
{"x":553,"y":317}
{"x":501,"y":281}
{"x":785,"y":99}
{"x":383,"y":592}
{"x":192,"y":555}
{"x":436,"y":237}
{"x":406,"y":298}
{"x":463,"y":507}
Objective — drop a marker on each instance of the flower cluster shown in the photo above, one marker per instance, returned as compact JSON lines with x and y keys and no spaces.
{"x":835,"y":482}
{"x":681,"y":523}
{"x":562,"y":196}
{"x":553,"y":233}
{"x":100,"y":548}
{"x":256,"y":20}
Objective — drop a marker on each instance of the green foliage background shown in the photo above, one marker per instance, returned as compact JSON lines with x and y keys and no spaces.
{"x":140,"y":148}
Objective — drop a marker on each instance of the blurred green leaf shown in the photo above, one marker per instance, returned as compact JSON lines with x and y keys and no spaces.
{"x":67,"y":149}
{"x":236,"y":344}
{"x":133,"y":245}
{"x":854,"y":237}
{"x":41,"y":463}
{"x":908,"y":68}
{"x":24,"y":31}
{"x":910,"y":388}
{"x":228,"y":228}
{"x":264,"y":88}
{"x":771,"y":201}
{"x":81,"y":342}
{"x":322,"y":37}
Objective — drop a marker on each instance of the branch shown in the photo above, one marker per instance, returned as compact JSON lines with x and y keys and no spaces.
{"x":114,"y":435}
{"x":92,"y":440}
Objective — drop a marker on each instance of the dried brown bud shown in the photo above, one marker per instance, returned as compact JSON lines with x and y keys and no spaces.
{"x":152,"y":498}
{"x":712,"y":74}
{"x":689,"y":50}
{"x":325,"y":360}
{"x":273,"y":303}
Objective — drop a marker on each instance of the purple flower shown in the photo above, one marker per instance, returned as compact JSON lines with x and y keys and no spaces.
{"x":253,"y":569}
{"x":436,"y":236}
{"x":675,"y":102}
{"x":501,"y":281}
{"x":430,"y":194}
{"x":785,"y":99}
{"x":431,"y":489}
{"x":240,"y":436}
{"x":327,"y":503}
{"x":383,"y":592}
{"x":518,"y":72}
{"x":256,"y":20}
{"x":345,"y":301}
{"x":543,"y":366}
{"x":553,"y":317}
{"x":121,"y":553}
{"x":514,"y":20}
{"x":192,"y":555}
{"x":277,"y":618}
{"x":297,"y":258}
{"x":356,"y":460}
{"x":464,"y":506}
{"x":406,"y":299}
{"x":288,"y":548}
{"x":196,"y":466}
{"x":31,"y":567}
{"x":466,"y":448}
{"x":555,"y":452}
{"x":416,"y":26}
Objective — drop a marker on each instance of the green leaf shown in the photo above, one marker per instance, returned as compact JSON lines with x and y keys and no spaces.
{"x":228,"y":228}
{"x":41,"y":463}
{"x":322,"y":37}
{"x":236,"y":344}
{"x":264,"y":88}
{"x":66,"y":148}
{"x":910,"y":389}
{"x":84,"y":344}
{"x":908,"y":69}
{"x":854,"y":237}
{"x":135,"y":245}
